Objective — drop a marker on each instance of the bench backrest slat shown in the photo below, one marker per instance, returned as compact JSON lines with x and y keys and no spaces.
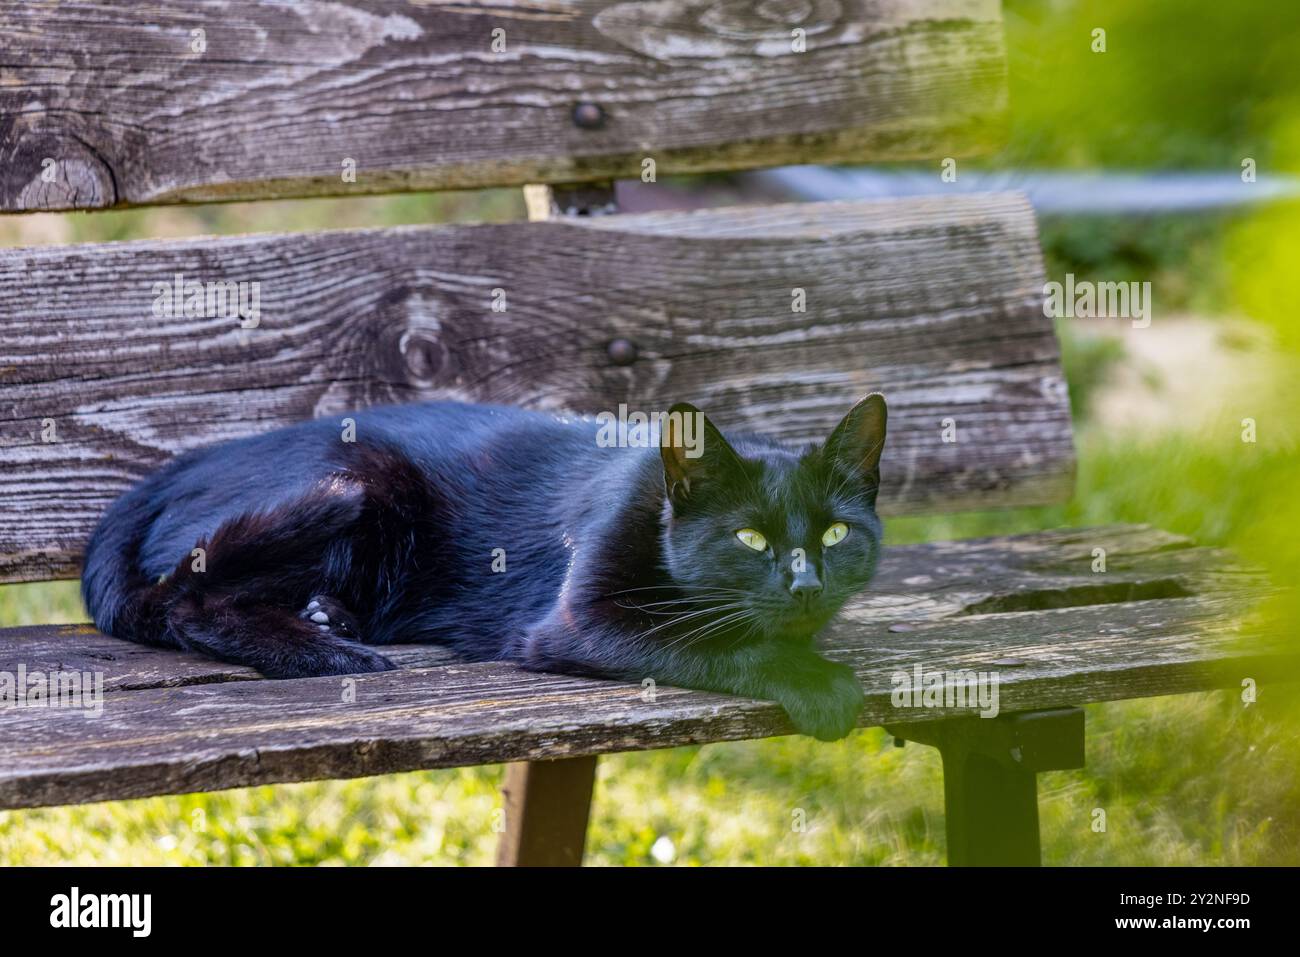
{"x":937,"y":302}
{"x":107,"y":106}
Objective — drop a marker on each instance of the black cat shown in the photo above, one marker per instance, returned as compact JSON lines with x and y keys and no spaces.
{"x":508,"y":535}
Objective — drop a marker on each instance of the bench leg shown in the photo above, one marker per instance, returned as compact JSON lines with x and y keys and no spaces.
{"x":546,"y":805}
{"x":990,"y":788}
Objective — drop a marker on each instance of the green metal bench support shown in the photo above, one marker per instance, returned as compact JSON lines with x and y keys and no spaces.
{"x":990,"y":786}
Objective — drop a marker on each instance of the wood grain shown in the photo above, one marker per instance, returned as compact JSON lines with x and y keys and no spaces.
{"x":156,"y":738}
{"x":116,"y":95}
{"x":915,"y":583}
{"x":934,"y":301}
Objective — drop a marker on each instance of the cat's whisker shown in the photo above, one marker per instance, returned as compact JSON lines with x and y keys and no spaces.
{"x":704,"y":631}
{"x":660,"y":614}
{"x":686,"y":617}
{"x":672,"y":612}
{"x":744,"y":633}
{"x":699,"y":634}
{"x":712,"y":589}
{"x":705,"y":634}
{"x":677,"y":601}
{"x":712,"y":594}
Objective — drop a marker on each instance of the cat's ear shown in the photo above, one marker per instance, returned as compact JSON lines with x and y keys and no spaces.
{"x":693,"y":451}
{"x":856,"y":443}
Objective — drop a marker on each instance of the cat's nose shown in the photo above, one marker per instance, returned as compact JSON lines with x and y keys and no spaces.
{"x":805,"y":587}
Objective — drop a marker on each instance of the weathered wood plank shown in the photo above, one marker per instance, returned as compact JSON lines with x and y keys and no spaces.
{"x":935,"y":302}
{"x":130,"y":667}
{"x":915,"y":583}
{"x":236,"y":733}
{"x":112,"y":104}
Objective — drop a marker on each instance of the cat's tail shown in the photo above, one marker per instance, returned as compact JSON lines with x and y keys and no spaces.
{"x":114,"y":589}
{"x":234,"y":595}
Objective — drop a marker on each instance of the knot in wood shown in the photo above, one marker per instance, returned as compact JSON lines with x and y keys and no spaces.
{"x":423,"y":355}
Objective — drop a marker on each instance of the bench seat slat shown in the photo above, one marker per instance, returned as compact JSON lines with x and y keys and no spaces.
{"x":416,"y":95}
{"x":915,"y":583}
{"x":230,"y":733}
{"x":936,"y":302}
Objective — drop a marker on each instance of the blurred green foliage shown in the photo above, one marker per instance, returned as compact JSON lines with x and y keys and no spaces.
{"x":1182,"y":84}
{"x":1087,"y":362}
{"x":1180,"y":254}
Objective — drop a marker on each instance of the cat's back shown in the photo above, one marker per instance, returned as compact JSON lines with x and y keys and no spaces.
{"x":192,"y":496}
{"x":447,"y":431}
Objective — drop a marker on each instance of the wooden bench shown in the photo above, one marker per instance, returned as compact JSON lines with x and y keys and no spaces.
{"x":937,"y":302}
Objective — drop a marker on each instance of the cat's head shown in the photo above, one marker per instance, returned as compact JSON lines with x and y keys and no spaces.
{"x":779,"y":537}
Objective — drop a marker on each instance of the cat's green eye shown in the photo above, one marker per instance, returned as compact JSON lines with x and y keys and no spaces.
{"x":753,"y":539}
{"x":835,"y":534}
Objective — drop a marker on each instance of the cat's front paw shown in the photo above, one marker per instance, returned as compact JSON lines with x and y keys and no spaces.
{"x":827,"y":707}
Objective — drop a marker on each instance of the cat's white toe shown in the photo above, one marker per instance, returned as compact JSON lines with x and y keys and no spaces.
{"x":320,"y":617}
{"x":313,"y":605}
